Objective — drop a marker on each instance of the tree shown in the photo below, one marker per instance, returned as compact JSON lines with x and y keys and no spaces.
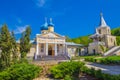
{"x":5,"y":46}
{"x":68,"y":39}
{"x":14,"y":49}
{"x":25,"y":42}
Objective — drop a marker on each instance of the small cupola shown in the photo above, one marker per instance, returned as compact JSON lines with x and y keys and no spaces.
{"x":51,"y":23}
{"x":51,"y":26}
{"x":45,"y":25}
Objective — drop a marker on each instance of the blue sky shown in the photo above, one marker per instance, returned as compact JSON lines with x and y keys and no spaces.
{"x":71,"y":17}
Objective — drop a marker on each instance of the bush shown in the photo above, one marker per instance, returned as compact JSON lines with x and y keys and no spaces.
{"x":104,"y":60}
{"x":66,"y":69}
{"x":22,"y":71}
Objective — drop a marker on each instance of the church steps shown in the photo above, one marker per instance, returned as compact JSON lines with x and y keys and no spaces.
{"x":112,"y":51}
{"x":58,"y":57}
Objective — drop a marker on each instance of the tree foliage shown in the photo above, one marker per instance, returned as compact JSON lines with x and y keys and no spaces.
{"x":21,"y":71}
{"x":79,"y":40}
{"x":82,"y":40}
{"x":116,"y":32}
{"x":8,"y":47}
{"x":5,"y":46}
{"x":68,"y":39}
{"x":14,"y":49}
{"x":25,"y":42}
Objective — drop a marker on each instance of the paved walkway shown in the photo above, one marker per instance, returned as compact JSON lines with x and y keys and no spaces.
{"x":113,"y":70}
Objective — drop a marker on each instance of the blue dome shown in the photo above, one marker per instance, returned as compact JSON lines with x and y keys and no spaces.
{"x":44,"y":26}
{"x":50,"y":24}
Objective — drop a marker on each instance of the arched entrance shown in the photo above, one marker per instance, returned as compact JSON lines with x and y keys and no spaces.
{"x":50,"y":50}
{"x":94,"y":51}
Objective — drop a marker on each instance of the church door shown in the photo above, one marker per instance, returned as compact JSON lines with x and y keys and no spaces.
{"x":50,"y":50}
{"x":94,"y":51}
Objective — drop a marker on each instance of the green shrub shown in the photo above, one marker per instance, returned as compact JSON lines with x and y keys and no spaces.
{"x":68,"y":77}
{"x":66,"y":69}
{"x":22,"y":71}
{"x":104,"y":60}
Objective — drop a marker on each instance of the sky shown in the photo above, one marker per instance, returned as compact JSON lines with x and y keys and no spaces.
{"x":73,"y":18}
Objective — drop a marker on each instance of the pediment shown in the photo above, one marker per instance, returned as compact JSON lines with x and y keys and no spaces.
{"x":51,"y":35}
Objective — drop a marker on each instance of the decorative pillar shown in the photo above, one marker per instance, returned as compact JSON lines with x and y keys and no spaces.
{"x":78,"y":51}
{"x":64,"y":50}
{"x":37,"y":51}
{"x":46,"y":49}
{"x":55,"y":49}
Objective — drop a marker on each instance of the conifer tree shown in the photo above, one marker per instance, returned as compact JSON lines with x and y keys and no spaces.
{"x":5,"y":46}
{"x":14,"y":49}
{"x":25,"y":42}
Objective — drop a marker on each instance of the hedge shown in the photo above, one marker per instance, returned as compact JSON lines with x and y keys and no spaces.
{"x":104,"y":60}
{"x":22,"y":71}
{"x":66,"y":69}
{"x":71,"y":70}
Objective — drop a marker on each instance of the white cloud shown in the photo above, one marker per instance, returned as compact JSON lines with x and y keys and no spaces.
{"x":40,"y":3}
{"x":46,"y":4}
{"x":20,"y":29}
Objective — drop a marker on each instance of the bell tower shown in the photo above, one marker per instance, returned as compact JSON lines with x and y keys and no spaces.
{"x":103,"y":28}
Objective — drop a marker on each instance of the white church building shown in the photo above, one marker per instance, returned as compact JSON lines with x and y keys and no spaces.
{"x":49,"y":43}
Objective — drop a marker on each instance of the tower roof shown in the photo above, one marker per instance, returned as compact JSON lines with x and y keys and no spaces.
{"x":102,"y":21}
{"x":51,"y":23}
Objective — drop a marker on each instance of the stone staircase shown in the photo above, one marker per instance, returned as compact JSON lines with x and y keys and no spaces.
{"x":113,"y":51}
{"x":58,"y":57}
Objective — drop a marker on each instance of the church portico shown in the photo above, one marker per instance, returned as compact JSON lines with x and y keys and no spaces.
{"x":50,"y":49}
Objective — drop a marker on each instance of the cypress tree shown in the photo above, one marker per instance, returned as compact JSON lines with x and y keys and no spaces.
{"x":5,"y":46}
{"x":14,"y":49}
{"x":25,"y":42}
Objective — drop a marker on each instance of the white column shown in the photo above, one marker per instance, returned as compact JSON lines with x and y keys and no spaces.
{"x":46,"y":48}
{"x":64,"y":50}
{"x":37,"y":50}
{"x":78,"y":51}
{"x":55,"y":49}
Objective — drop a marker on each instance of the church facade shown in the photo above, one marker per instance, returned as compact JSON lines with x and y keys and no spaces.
{"x":102,"y":39}
{"x":50,"y":43}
